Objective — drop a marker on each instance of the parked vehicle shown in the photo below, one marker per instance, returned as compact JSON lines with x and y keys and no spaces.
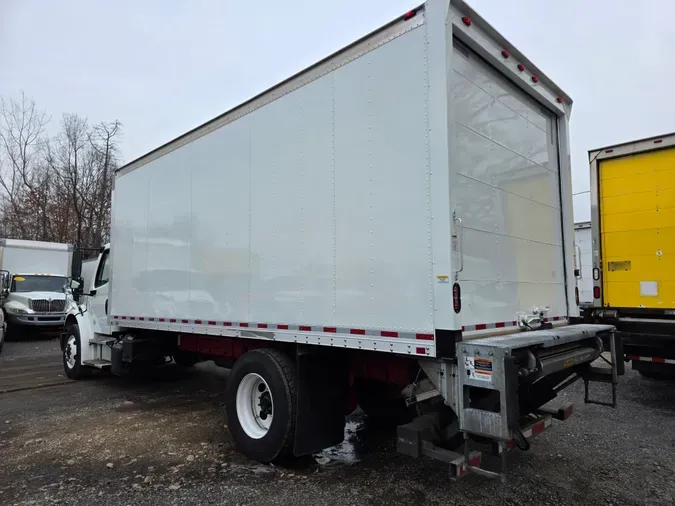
{"x":633,"y":228}
{"x":36,"y":279}
{"x":392,"y":226}
{"x":584,"y":256}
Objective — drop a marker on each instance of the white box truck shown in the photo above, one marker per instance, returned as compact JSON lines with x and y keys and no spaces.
{"x":392,"y":225}
{"x":584,"y":246}
{"x":36,"y":279}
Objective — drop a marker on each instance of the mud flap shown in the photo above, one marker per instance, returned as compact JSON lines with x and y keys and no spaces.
{"x":322,"y":396}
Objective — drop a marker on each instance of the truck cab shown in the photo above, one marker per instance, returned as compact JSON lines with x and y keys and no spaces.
{"x":36,"y":293}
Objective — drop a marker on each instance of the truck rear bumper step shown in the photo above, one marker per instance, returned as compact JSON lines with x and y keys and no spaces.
{"x":98,"y":364}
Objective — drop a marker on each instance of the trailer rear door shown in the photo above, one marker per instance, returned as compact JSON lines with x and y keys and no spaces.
{"x":507,"y":194}
{"x":637,"y":226}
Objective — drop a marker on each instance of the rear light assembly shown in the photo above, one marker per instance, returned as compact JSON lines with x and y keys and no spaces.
{"x":409,"y":15}
{"x":596,"y":292}
{"x":456,"y":298}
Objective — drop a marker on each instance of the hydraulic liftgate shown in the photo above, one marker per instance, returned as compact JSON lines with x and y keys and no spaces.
{"x":499,"y":385}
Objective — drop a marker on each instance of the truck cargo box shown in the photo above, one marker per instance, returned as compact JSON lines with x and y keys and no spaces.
{"x":412,"y":186}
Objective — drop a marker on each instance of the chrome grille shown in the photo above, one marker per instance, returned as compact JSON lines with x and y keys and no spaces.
{"x":47,"y":306}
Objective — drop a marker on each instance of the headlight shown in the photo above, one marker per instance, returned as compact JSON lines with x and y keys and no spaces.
{"x":16,"y":310}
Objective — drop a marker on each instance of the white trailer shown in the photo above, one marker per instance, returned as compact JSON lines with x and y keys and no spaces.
{"x":397,"y":217}
{"x":35,"y":280}
{"x":584,"y":255}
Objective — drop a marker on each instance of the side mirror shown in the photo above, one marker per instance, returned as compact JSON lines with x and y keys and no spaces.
{"x":4,"y":283}
{"x":76,"y":265}
{"x":76,"y":286}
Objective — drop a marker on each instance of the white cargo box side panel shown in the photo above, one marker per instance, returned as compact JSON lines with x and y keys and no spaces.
{"x":312,"y":210}
{"x":36,"y":257}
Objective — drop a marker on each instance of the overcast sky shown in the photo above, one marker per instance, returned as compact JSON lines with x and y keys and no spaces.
{"x":164,"y":66}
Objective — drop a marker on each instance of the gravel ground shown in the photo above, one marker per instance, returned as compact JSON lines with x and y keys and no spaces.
{"x":163,"y":441}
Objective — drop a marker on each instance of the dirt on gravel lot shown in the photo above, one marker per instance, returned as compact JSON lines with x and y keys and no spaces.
{"x":164,"y":441}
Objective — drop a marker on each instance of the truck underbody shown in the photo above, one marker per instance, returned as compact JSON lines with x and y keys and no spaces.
{"x":489,"y":396}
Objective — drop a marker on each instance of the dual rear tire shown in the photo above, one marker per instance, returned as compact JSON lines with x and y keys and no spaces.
{"x":261,"y":403}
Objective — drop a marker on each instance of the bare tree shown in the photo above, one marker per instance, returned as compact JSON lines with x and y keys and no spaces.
{"x":59,"y":188}
{"x":22,"y":142}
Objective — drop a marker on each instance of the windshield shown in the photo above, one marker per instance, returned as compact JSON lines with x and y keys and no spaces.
{"x":38,"y":283}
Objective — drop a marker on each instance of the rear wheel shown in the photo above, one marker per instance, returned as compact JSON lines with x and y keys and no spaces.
{"x":72,"y":356}
{"x":261,"y":404}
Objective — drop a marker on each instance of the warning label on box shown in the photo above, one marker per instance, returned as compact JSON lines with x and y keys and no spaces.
{"x":478,"y":368}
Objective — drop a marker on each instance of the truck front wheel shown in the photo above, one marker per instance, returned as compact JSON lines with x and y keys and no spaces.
{"x":72,"y":356}
{"x":261,"y":404}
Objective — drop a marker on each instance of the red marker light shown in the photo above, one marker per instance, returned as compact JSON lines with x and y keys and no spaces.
{"x":466,"y":20}
{"x":659,"y":141}
{"x":409,"y":15}
{"x":456,"y":298}
{"x":505,"y":53}
{"x":521,"y":67}
{"x":535,"y":79}
{"x":559,"y":100}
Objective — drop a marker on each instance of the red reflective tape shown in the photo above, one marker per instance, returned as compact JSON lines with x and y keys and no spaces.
{"x":421,"y":350}
{"x":481,"y":326}
{"x":116,"y":317}
{"x":124,"y":317}
{"x":360,"y":332}
{"x":172,"y":320}
{"x":212,"y":323}
{"x":500,"y":325}
{"x":388,"y":333}
{"x":162,"y":320}
{"x":463,"y":328}
{"x":657,"y":360}
{"x":514,"y":323}
{"x":243,"y":324}
{"x":184,"y":321}
{"x":197,"y":322}
{"x":474,"y":461}
{"x":633,"y":357}
{"x":546,"y":320}
{"x":329,"y":329}
{"x":141,"y":318}
{"x":282,"y":327}
{"x":556,"y":318}
{"x":305,"y":328}
{"x":132,"y":317}
{"x":536,"y":429}
{"x":262,"y":325}
{"x":151,"y":319}
{"x":227,"y":324}
{"x":424,"y":337}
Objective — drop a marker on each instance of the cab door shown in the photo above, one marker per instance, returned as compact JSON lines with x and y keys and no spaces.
{"x":98,"y":295}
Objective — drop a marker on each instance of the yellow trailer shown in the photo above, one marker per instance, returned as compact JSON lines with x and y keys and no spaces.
{"x":633,"y":229}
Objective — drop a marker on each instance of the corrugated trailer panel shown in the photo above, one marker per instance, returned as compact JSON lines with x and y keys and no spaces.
{"x":325,"y":188}
{"x":637,"y":213}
